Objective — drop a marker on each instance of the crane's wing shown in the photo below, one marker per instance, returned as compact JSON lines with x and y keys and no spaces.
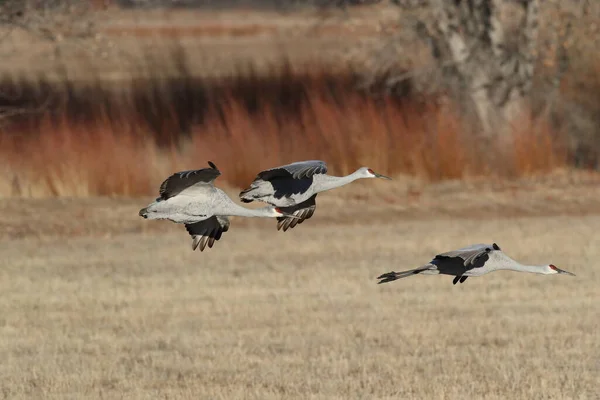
{"x":297,"y":170}
{"x":206,"y":232}
{"x":472,"y":256}
{"x":182,"y":180}
{"x":303,"y":211}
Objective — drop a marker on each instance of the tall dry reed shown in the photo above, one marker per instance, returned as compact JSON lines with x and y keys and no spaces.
{"x":91,"y":140}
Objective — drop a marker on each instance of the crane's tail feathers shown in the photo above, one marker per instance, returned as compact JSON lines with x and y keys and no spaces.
{"x":143,"y":212}
{"x":392,"y":276}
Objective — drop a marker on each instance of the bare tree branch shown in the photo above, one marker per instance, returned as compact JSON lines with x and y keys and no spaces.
{"x":486,"y":59}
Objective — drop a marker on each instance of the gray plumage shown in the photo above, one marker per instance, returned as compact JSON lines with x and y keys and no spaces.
{"x":294,"y":188}
{"x":474,"y":260}
{"x":190,"y":198}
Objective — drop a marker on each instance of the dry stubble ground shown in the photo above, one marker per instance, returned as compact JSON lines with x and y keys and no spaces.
{"x":98,"y":303}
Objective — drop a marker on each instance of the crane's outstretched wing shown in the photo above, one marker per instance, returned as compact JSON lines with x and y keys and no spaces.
{"x":182,"y":180}
{"x":303,"y":211}
{"x":297,"y":170}
{"x":472,"y":256}
{"x":457,"y":262}
{"x":206,"y":232}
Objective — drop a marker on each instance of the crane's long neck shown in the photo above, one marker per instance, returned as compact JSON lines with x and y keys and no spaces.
{"x":328,"y":182}
{"x":515,"y":266}
{"x":535,"y":269}
{"x":502,"y":261}
{"x":233,"y":209}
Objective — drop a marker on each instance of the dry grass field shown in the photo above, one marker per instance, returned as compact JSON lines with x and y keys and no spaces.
{"x":98,"y":303}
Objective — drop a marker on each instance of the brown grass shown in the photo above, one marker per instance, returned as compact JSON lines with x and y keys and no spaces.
{"x":99,"y":303}
{"x":134,"y":313}
{"x":109,"y":148}
{"x":124,"y":142}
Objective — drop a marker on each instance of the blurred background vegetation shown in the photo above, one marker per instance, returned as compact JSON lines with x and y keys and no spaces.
{"x":109,"y":97}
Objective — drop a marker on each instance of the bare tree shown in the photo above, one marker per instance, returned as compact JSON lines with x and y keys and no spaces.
{"x":491,"y":57}
{"x":481,"y":53}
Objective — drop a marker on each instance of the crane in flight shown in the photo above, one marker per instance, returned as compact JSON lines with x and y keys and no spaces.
{"x":190,"y":198}
{"x":474,"y":260}
{"x":294,"y":188}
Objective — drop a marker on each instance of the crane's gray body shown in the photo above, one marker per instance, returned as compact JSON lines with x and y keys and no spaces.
{"x":474,"y":260}
{"x":288,"y":185}
{"x":195,"y":204}
{"x":294,"y":188}
{"x":190,"y":198}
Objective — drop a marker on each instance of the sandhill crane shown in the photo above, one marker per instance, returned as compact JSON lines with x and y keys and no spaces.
{"x":294,"y":188}
{"x":190,"y":198}
{"x":475,"y":260}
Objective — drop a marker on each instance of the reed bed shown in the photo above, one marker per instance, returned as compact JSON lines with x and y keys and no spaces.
{"x":98,"y":138}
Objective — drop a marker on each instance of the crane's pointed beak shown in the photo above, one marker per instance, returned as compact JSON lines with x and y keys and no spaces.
{"x":381,"y":176}
{"x":560,"y":271}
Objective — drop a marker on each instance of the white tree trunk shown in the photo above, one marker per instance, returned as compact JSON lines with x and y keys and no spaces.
{"x":495,"y":69}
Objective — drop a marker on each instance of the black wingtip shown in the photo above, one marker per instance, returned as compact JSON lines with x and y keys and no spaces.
{"x":143,"y":212}
{"x":496,"y":247}
{"x":212,"y":165}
